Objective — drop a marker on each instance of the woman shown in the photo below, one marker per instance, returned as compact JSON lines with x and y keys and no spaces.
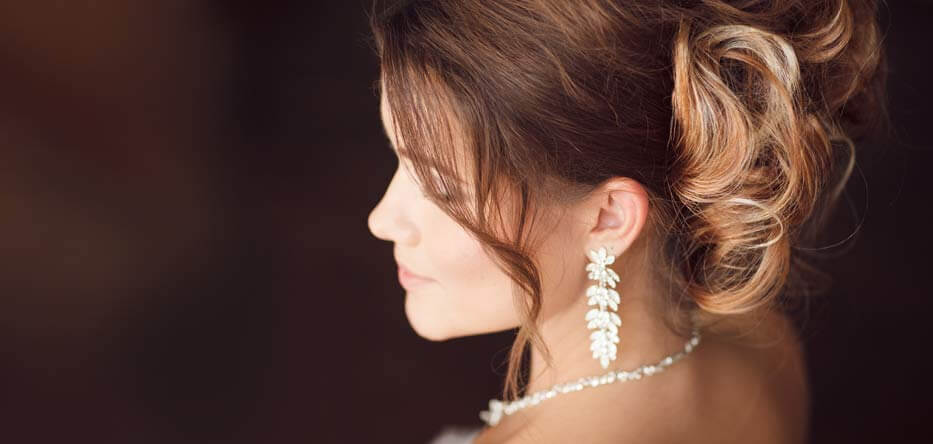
{"x":629,"y":183}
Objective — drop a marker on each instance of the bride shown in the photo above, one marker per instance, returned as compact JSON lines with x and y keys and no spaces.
{"x":627,"y":184}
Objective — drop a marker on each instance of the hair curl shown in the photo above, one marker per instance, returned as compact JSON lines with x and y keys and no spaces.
{"x":738,"y":118}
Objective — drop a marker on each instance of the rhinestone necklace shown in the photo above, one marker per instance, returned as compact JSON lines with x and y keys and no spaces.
{"x":497,"y":408}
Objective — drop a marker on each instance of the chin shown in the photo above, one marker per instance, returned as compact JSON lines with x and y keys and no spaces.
{"x":429,"y":334}
{"x":428,"y":325}
{"x":431,"y":320}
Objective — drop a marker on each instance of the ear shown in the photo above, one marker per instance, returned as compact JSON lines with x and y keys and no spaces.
{"x":620,"y":206}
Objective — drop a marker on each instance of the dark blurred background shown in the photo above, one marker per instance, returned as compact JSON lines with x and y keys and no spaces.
{"x":184,"y":256}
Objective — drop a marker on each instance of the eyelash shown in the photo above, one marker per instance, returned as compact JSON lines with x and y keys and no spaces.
{"x":448,"y":197}
{"x":445,"y":197}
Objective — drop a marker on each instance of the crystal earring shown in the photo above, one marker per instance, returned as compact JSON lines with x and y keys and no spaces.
{"x":602,"y":294}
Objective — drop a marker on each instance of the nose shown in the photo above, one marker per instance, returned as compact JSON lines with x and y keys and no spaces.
{"x":390,"y":220}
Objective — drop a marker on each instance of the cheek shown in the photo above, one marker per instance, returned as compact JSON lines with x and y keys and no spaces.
{"x":474,"y":291}
{"x":562,"y":269}
{"x":459,"y":261}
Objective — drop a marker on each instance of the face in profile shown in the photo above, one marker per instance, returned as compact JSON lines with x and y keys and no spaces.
{"x":452,"y":287}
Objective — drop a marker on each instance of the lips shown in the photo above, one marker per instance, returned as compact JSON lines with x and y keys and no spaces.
{"x":409,"y":273}
{"x":409,"y":279}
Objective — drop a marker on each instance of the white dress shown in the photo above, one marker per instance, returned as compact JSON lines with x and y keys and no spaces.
{"x":456,"y":435}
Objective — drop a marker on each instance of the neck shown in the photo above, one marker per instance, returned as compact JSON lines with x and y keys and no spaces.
{"x":643,"y":336}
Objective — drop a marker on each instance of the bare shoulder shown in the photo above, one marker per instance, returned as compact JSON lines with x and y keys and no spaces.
{"x":756,"y":388}
{"x":728,"y":391}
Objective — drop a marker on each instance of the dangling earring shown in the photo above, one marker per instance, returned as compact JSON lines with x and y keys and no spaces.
{"x":607,"y":323}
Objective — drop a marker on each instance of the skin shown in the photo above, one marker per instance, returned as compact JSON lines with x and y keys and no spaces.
{"x":722,"y":392}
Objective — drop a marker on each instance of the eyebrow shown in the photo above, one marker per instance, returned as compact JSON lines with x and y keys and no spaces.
{"x":402,"y":152}
{"x":431,"y":164}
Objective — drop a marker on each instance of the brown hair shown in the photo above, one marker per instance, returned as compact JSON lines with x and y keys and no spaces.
{"x":738,"y":118}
